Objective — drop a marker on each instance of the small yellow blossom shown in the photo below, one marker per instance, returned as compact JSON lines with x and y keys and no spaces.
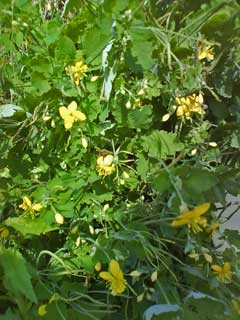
{"x":105,"y":165}
{"x":205,"y":52}
{"x":137,"y":103}
{"x":223,"y":273}
{"x":114,"y":277}
{"x":59,"y":219}
{"x":91,"y":230}
{"x":165,"y":117}
{"x":189,"y":105}
{"x":193,"y":218}
{"x":94,"y":78}
{"x":135,"y":274}
{"x":27,"y":206}
{"x":84,"y":143}
{"x":71,"y":114}
{"x":77,"y":71}
{"x":154,"y":276}
{"x":98,"y":266}
{"x":42,"y":310}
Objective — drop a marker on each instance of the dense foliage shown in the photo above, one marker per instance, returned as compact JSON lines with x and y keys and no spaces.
{"x":119,"y":129}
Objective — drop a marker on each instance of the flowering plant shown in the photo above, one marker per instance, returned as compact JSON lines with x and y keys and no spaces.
{"x":119,"y":129}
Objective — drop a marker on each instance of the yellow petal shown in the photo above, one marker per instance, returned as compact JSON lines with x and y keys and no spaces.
{"x":216,"y":268}
{"x":64,"y":112}
{"x":118,"y":286}
{"x":72,"y":106}
{"x":106,"y":276}
{"x":37,"y":207}
{"x":227,"y":267}
{"x":201,"y":209}
{"x":68,"y":122}
{"x":100,"y":160}
{"x":27,"y":201}
{"x":179,"y":222}
{"x":108,"y":160}
{"x":115,"y":270}
{"x":78,"y":115}
{"x":202,"y":54}
{"x":180,"y":111}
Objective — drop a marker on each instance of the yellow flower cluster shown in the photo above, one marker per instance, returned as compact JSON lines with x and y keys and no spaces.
{"x":71,"y":114}
{"x":29,"y":207}
{"x":114,"y":277}
{"x":193,"y":218}
{"x":105,"y":165}
{"x":223,"y":273}
{"x":77,"y":71}
{"x":189,"y":105}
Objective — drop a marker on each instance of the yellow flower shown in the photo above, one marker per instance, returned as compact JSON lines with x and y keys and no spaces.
{"x":27,"y":205}
{"x":77,"y":71}
{"x":193,"y":218}
{"x":114,"y":277}
{"x":189,"y":105}
{"x":42,"y":310}
{"x":98,"y":266}
{"x":105,"y":165}
{"x":205,"y":52}
{"x":71,"y":114}
{"x":224,"y":273}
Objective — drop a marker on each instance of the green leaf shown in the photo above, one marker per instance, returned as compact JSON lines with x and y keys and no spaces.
{"x":96,"y":38}
{"x":16,"y":276}
{"x":40,"y":83}
{"x":161,"y":144}
{"x":198,"y":181}
{"x":142,"y":47}
{"x":9,"y":315}
{"x":158,"y":309}
{"x":37,"y":226}
{"x":41,"y":65}
{"x":140,"y":118}
{"x":161,"y":182}
{"x":64,"y":49}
